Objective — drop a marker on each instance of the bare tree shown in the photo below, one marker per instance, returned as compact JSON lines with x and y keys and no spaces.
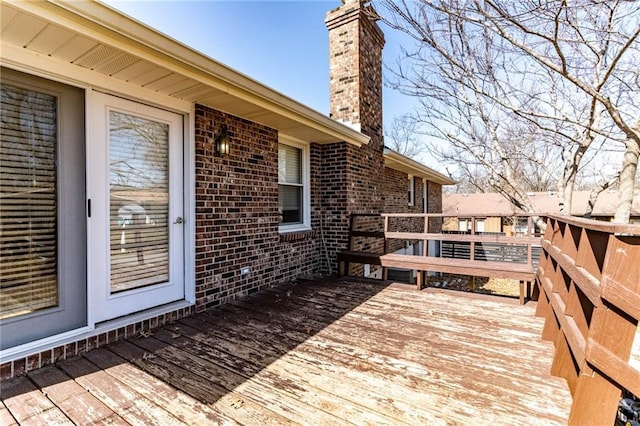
{"x":531,"y":91}
{"x":403,"y":136}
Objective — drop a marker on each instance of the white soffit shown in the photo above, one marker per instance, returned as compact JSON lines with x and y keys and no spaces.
{"x":98,"y":39}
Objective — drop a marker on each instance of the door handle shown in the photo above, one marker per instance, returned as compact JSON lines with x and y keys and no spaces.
{"x":179,"y":220}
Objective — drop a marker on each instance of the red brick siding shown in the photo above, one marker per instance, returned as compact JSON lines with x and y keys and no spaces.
{"x":396,"y":201}
{"x":434,"y":202}
{"x":237,"y":213}
{"x":355,"y":80}
{"x":331,"y":203}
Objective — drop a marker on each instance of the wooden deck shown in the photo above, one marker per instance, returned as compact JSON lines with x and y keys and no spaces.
{"x":329,"y":352}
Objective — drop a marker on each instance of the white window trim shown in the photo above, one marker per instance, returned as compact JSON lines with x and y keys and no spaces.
{"x":425,"y":195}
{"x":411,"y":190}
{"x":306,"y":186}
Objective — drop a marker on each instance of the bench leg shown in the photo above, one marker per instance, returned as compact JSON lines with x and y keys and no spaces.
{"x":522,"y":292}
{"x":419,"y":281}
{"x":341,"y":269}
{"x":384,"y":273}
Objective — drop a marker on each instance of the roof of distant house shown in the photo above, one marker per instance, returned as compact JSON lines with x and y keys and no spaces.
{"x":493,"y":204}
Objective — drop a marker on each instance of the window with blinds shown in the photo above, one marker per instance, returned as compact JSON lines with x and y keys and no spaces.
{"x":28,"y":201}
{"x":410,"y":190}
{"x":139,"y":202}
{"x":290,"y":186}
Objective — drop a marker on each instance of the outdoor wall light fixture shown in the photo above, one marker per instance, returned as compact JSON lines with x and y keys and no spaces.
{"x":223,"y":142}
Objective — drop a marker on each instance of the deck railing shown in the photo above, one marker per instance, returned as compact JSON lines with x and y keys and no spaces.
{"x":516,"y":245}
{"x":589,"y":293}
{"x":509,"y":249}
{"x":499,"y":245}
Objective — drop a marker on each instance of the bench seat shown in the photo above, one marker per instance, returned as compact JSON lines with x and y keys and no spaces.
{"x":478,"y":268}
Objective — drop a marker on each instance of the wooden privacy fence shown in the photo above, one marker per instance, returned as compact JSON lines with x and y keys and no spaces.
{"x":589,"y":293}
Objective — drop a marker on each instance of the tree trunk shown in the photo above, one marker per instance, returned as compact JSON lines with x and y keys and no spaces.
{"x":627,"y":181}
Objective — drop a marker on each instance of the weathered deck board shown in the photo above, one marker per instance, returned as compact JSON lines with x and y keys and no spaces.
{"x":181,"y":405}
{"x":74,"y":401}
{"x":28,"y":405}
{"x":386,"y":340}
{"x":324,"y":352}
{"x":6,"y":419}
{"x":231,"y":404}
{"x":124,"y":400}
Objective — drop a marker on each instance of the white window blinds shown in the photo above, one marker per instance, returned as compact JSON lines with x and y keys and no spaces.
{"x":28,"y":201}
{"x":290,"y":188}
{"x":139,"y":204}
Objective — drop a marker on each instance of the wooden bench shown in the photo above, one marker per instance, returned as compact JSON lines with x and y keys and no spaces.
{"x":478,"y":268}
{"x":349,"y":256}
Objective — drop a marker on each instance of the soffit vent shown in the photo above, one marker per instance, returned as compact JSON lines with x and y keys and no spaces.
{"x":119,"y":62}
{"x":96,"y":56}
{"x":194,"y":93}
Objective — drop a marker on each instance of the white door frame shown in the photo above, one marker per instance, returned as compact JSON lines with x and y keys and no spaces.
{"x":103,"y":304}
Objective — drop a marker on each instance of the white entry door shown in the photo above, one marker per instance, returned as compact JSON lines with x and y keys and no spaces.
{"x":136,"y":191}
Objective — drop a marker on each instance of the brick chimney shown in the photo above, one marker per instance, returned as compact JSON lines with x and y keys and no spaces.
{"x":355,"y":68}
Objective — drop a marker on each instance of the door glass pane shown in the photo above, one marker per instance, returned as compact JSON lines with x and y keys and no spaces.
{"x":28,"y":201}
{"x":139,"y":208}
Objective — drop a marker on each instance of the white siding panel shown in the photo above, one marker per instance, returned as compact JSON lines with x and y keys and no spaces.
{"x":116,"y":63}
{"x":167,"y":82}
{"x":74,"y":48}
{"x":134,"y":70}
{"x":50,"y":39}
{"x":22,"y":29}
{"x":6,"y":16}
{"x":97,"y":56}
{"x":152,"y":75}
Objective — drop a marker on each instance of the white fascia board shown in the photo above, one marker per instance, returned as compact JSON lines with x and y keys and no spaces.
{"x":397,"y":161}
{"x":106,"y":25}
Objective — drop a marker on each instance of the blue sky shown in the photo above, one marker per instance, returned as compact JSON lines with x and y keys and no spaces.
{"x":282,"y":44}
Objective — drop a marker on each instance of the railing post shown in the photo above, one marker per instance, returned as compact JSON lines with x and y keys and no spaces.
{"x":472,"y":244}
{"x":425,"y":242}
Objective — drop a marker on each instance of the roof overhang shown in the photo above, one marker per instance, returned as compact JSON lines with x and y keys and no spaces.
{"x":397,"y":161}
{"x":98,"y":40}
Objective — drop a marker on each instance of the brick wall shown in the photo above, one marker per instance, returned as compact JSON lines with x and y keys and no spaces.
{"x":396,"y":201}
{"x":237,"y":213}
{"x":355,"y":68}
{"x":331,"y":201}
{"x":355,"y":80}
{"x":434,"y":202}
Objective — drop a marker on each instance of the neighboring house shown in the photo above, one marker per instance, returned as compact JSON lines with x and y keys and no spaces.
{"x":143,"y":181}
{"x":492,"y":210}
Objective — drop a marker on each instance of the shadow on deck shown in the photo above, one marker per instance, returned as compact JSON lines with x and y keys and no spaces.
{"x":318,"y":352}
